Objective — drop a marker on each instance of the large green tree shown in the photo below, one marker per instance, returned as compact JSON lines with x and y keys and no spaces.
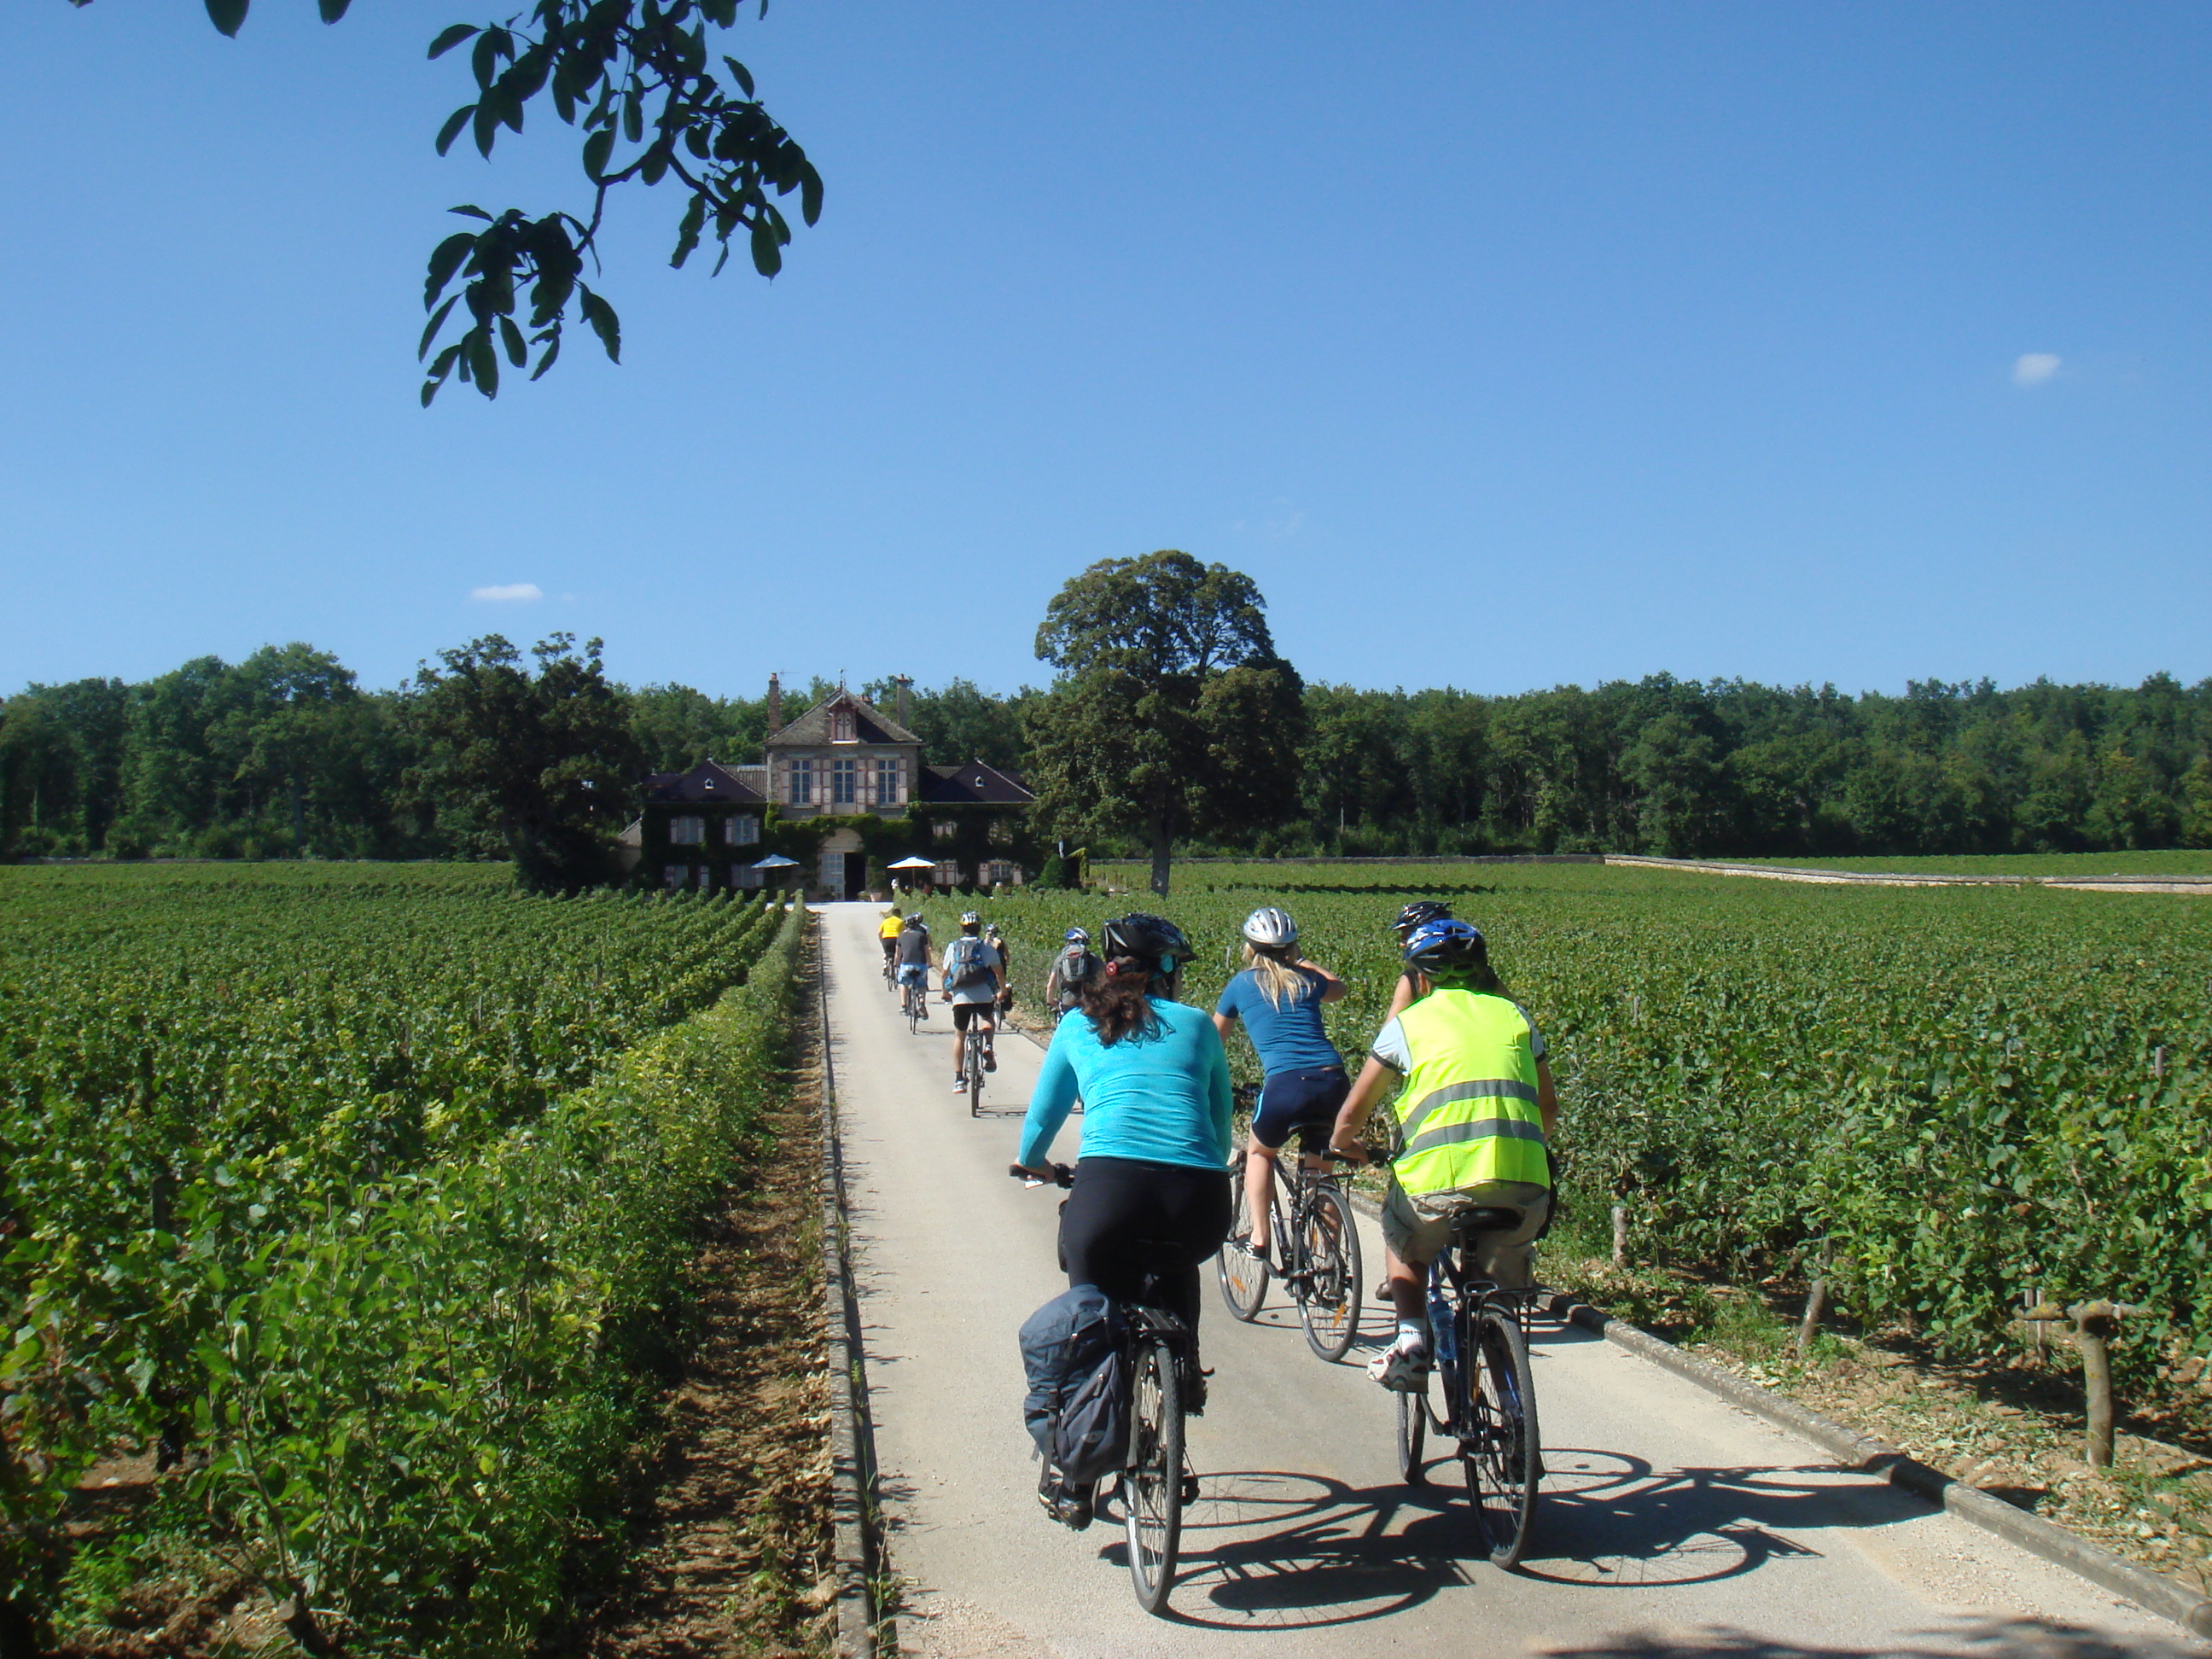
{"x":646,"y":83}
{"x":1172,"y":715}
{"x":537,"y":764}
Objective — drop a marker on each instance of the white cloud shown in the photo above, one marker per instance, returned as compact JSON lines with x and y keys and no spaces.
{"x":2034,"y":367}
{"x":525,"y":591}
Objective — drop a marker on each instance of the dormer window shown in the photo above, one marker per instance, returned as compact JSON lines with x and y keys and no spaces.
{"x":842,"y":727}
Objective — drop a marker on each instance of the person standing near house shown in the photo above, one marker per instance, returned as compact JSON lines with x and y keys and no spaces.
{"x":971,"y":981}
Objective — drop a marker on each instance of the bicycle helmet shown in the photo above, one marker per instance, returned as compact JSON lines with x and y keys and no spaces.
{"x":1269,"y":929}
{"x":1446,"y":950}
{"x":1139,"y":935}
{"x":969,"y":919}
{"x":1076,"y":936}
{"x":1420,"y":911}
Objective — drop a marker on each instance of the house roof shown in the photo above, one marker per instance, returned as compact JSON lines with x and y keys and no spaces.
{"x":869,"y":724}
{"x":705,"y":785}
{"x":973,"y":785}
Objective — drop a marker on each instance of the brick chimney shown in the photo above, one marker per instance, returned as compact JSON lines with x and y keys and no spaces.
{"x":774,"y":705}
{"x":905,"y":715}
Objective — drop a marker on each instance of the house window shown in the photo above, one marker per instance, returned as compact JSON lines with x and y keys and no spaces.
{"x":841,"y":727}
{"x":1002,"y":832}
{"x":887,"y":783}
{"x":946,"y":874}
{"x":944,"y":829}
{"x":746,"y":876}
{"x":741,"y":830}
{"x":844,"y":787}
{"x":802,"y":783}
{"x":998,"y":872}
{"x":687,"y":832}
{"x":706,"y":874}
{"x":675,"y":875}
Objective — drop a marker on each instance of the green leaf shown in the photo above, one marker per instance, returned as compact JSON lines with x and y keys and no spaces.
{"x":445,"y":259}
{"x":601,"y":316}
{"x":552,"y":336}
{"x":436,"y":322}
{"x":333,"y":9}
{"x":227,"y":15}
{"x":517,"y":352}
{"x":471,"y":210}
{"x":767,"y":256}
{"x":482,"y":360}
{"x":452,"y":129}
{"x":741,"y":75}
{"x":810,"y":194}
{"x":448,"y":38}
{"x":597,"y":148}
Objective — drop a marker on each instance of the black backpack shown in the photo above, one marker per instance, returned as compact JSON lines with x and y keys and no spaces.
{"x":1078,"y":1408}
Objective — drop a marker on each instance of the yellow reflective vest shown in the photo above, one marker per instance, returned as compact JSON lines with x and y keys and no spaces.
{"x":1467,"y":1112}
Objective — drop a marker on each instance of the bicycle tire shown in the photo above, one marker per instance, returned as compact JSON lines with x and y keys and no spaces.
{"x":1151,"y":1482}
{"x":972,"y":1066}
{"x":1243,"y":1281}
{"x":1412,"y":1434}
{"x":1500,"y":1451}
{"x":1328,"y":1240}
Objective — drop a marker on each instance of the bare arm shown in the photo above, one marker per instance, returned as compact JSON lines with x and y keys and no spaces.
{"x":1221,"y":1023}
{"x":1548,"y":1100}
{"x":1360,"y":1105}
{"x":1332,"y":989}
{"x":1402,"y":998}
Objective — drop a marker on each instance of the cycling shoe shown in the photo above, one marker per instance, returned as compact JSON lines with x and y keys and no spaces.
{"x":1403,"y":1366}
{"x":1073,"y":1506}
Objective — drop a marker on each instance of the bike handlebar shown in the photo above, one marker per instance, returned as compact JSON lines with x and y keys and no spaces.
{"x":1061,"y":1175}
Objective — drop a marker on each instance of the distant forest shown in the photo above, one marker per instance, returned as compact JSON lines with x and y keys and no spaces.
{"x":285,"y":754}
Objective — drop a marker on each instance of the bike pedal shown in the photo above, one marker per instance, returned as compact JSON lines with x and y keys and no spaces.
{"x":1190,"y":1489}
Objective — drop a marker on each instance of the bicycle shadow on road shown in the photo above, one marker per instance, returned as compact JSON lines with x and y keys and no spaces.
{"x":1982,"y":1638}
{"x":1271,"y":1550}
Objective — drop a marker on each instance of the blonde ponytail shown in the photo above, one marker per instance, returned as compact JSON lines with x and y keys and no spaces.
{"x":1276,"y":972}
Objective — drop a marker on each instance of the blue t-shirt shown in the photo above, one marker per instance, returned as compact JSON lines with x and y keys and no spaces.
{"x":1289,"y":1038}
{"x":1160,"y":1095}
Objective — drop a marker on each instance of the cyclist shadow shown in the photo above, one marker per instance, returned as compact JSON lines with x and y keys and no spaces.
{"x":1267,"y":1549}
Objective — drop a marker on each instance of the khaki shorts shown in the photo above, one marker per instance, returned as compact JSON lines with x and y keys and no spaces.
{"x":1416,"y":1229}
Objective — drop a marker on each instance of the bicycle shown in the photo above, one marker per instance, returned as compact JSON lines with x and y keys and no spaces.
{"x":1480,"y":1338}
{"x":971,"y":1069}
{"x":1160,"y":1360}
{"x":1313,"y":1250}
{"x":917,"y":998}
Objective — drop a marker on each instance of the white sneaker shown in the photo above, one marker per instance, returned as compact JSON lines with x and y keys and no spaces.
{"x":1404,"y":1365}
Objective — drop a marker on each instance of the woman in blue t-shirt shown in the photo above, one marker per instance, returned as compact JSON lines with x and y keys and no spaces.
{"x":1278,"y":998}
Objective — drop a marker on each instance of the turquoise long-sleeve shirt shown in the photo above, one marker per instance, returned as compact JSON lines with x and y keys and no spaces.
{"x":1161,"y":1096}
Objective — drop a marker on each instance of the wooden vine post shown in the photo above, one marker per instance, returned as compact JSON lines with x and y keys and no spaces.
{"x":1816,"y":1304}
{"x":2095,"y":1325}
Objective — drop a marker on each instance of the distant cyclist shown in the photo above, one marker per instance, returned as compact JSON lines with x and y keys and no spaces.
{"x":912,"y":954}
{"x":1476,"y":1116}
{"x":1419,"y":914}
{"x":1153,"y":1078}
{"x":1277,"y":997}
{"x":888,"y":931}
{"x":1070,"y":969}
{"x":970,"y":981}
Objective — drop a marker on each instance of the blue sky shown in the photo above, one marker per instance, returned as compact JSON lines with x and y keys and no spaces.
{"x":1503,"y":346}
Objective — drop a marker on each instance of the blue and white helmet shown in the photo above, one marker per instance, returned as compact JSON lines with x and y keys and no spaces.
{"x":1445,"y":948}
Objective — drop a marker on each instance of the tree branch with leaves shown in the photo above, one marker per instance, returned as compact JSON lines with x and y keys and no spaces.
{"x":640,"y":78}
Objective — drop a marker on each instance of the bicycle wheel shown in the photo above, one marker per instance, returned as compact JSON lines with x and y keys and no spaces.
{"x":912,"y":1009}
{"x":1327,"y":1239}
{"x":1151,"y":1484}
{"x":1499,"y":1449}
{"x":1243,"y":1281}
{"x":1412,"y":1434}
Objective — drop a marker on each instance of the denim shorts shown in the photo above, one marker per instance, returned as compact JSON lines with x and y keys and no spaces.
{"x":1304,"y":1103}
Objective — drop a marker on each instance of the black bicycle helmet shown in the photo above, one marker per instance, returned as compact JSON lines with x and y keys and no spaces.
{"x":1139,"y":935}
{"x":1418,"y":913}
{"x":1447,"y":950}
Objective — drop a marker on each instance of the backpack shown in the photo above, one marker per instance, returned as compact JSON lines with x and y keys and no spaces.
{"x":971,"y":972}
{"x":1078,"y":1408}
{"x":1077,"y":965}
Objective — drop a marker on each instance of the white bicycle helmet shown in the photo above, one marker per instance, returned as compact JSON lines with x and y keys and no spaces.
{"x":1270,"y":929}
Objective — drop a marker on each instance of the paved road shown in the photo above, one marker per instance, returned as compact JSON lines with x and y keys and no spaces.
{"x":1671,"y":1522}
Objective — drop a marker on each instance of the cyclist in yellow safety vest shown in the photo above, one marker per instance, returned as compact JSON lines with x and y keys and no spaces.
{"x":888,"y":931}
{"x":1475,"y":1118}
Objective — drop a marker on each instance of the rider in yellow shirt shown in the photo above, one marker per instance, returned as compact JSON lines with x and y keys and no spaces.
{"x":887,"y":933}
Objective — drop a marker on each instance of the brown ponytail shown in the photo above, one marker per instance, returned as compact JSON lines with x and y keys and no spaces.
{"x":1113,"y":999}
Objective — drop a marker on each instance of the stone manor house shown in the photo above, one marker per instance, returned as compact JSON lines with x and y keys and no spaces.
{"x":843,"y":788}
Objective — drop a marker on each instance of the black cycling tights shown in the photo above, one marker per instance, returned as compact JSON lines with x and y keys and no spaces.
{"x":1121,"y":1206}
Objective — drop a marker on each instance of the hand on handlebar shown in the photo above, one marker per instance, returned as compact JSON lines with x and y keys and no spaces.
{"x":1037,"y":1175}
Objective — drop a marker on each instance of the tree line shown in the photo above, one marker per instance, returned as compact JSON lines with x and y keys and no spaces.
{"x":1171,"y":723}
